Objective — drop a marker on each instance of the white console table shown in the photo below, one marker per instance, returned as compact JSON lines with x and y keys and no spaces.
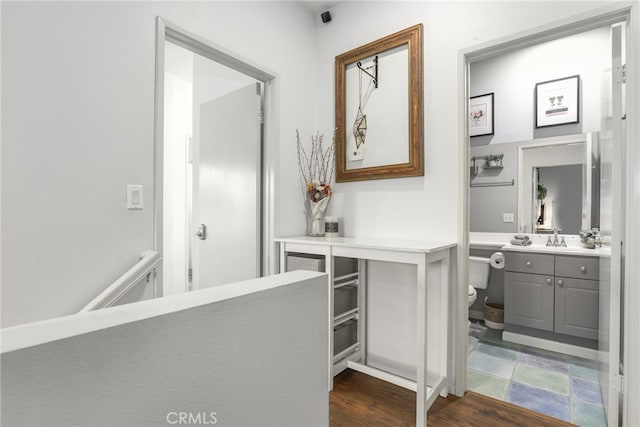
{"x":432,"y":262}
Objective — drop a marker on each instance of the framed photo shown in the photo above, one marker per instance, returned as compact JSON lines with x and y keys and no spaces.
{"x":481,"y":115}
{"x":558,"y":102}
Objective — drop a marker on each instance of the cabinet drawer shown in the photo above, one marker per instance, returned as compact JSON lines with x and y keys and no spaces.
{"x":296,"y":261}
{"x":529,"y":263}
{"x":343,"y":266}
{"x":578,"y":267}
{"x":344,"y":299}
{"x":344,"y":336}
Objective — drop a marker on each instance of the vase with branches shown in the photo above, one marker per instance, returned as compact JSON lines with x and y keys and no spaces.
{"x":316,"y":169}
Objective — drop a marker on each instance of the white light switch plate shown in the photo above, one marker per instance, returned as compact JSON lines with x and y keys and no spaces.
{"x":135,"y":197}
{"x":507,"y":217}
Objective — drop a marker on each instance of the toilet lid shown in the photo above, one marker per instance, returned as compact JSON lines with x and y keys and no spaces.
{"x":472,"y":290}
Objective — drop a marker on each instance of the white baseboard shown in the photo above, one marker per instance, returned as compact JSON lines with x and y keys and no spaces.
{"x":558,"y":347}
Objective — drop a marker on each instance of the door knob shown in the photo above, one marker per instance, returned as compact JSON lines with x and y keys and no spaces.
{"x":202,"y":232}
{"x":560,"y":282}
{"x":548,"y":281}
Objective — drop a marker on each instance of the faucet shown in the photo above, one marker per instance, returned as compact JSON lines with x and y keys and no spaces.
{"x":556,"y":243}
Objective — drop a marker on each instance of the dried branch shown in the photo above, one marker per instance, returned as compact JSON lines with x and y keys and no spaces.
{"x":316,"y":167}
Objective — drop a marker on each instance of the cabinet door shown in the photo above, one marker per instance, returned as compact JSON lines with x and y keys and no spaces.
{"x":528,"y":300}
{"x":576,"y":311}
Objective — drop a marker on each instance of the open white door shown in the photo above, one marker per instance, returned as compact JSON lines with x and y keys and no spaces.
{"x":612,"y":229}
{"x":226,"y":235}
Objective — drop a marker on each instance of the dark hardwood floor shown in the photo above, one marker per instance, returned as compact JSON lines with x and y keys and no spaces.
{"x":360,"y":400}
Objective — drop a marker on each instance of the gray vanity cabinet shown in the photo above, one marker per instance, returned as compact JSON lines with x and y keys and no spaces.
{"x":554,"y":293}
{"x":577,"y":296}
{"x":528,"y":292}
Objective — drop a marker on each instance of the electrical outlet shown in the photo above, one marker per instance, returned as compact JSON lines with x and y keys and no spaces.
{"x":507,"y":217}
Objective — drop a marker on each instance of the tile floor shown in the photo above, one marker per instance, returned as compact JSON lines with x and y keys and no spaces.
{"x":555,"y":384}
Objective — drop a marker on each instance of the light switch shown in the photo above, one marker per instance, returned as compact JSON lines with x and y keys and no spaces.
{"x":135,"y":197}
{"x":507,"y":217}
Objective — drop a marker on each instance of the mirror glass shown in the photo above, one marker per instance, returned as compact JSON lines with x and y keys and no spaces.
{"x":379,"y":119}
{"x":387,"y":135}
{"x":505,"y":196}
{"x":558,"y":199}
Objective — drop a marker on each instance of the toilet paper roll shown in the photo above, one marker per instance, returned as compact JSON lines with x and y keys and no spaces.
{"x":497,"y":260}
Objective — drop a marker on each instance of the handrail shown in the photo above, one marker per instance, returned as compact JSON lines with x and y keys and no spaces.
{"x":148,"y":262}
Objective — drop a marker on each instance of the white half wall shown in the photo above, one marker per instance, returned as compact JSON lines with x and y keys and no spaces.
{"x":249,"y":353}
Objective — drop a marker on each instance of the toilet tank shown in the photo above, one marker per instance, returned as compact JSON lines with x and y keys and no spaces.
{"x":478,"y":272}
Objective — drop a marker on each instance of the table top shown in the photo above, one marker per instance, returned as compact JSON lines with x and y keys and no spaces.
{"x":372,"y":243}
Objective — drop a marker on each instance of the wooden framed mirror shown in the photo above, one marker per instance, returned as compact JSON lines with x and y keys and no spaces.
{"x":379,"y":109}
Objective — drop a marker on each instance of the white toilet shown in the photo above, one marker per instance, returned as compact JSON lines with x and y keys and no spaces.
{"x":478,"y":276}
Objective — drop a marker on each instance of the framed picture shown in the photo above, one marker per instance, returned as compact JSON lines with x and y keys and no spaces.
{"x":481,"y":115}
{"x":558,"y":102}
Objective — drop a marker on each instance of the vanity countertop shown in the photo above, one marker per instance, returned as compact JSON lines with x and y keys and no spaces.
{"x":501,"y":242}
{"x":558,"y":250}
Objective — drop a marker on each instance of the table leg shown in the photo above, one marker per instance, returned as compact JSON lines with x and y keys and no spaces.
{"x":421,"y":380}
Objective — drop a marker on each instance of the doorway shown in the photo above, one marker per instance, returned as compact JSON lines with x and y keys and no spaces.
{"x":210,"y":194}
{"x":610,"y":402}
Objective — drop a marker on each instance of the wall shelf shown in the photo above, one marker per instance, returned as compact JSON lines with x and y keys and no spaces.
{"x":489,"y":161}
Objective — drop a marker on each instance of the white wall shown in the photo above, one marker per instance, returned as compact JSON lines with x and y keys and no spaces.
{"x":238,"y":350}
{"x":422,"y":207}
{"x":78,"y":125}
{"x":78,"y":98}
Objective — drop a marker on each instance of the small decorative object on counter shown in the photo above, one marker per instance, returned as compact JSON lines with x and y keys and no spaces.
{"x":521,"y":240}
{"x":332,"y":226}
{"x":591,"y":238}
{"x":316,"y":174}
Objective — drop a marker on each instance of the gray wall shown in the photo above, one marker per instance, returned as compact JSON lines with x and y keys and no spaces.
{"x":487,"y":204}
{"x":512,"y":78}
{"x":257,"y":359}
